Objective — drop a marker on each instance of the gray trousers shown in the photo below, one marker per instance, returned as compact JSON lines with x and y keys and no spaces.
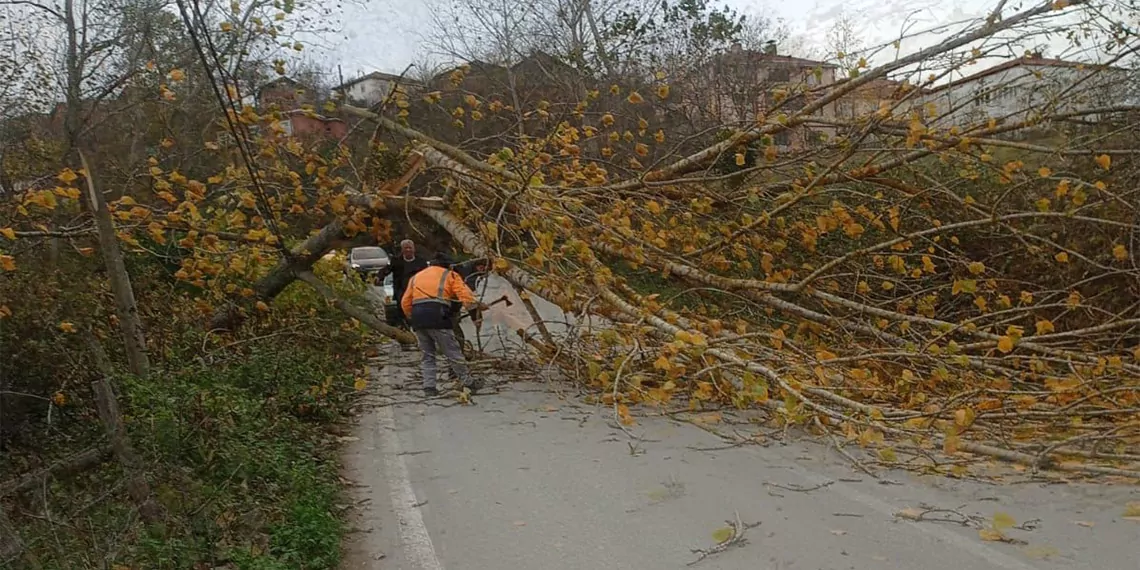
{"x":442,"y":340}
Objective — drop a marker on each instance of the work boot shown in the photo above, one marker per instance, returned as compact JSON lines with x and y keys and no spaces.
{"x":476,"y":385}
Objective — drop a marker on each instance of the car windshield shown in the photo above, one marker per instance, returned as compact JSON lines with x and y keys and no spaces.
{"x":369,"y":253}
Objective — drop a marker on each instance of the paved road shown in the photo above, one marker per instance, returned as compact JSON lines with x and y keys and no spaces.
{"x":527,"y":479}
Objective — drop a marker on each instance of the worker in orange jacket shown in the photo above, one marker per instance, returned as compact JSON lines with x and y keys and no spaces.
{"x":428,"y":303}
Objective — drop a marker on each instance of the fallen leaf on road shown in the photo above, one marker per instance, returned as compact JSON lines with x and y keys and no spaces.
{"x":910,"y":513}
{"x":709,"y":418}
{"x":520,"y":523}
{"x":1040,"y":551}
{"x":1003,"y":521}
{"x":551,"y":408}
{"x":838,"y":532}
{"x":1086,"y":524}
{"x":1132,"y":510}
{"x":991,"y":534}
{"x":723,"y":533}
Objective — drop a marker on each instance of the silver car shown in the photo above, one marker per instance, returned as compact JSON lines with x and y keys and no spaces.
{"x":364,"y":260}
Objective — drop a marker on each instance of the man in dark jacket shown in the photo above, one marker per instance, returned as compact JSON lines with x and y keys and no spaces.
{"x":403,"y":267}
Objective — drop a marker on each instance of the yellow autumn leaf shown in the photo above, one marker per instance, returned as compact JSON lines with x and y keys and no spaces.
{"x":68,"y":176}
{"x":976,"y":268}
{"x":991,"y":535}
{"x":59,"y":398}
{"x":1003,"y":521}
{"x":624,"y":416}
{"x":227,"y":27}
{"x":7,"y":263}
{"x":67,"y":327}
{"x":1062,"y":257}
{"x":1044,"y":172}
{"x":1044,"y":327}
{"x":1119,"y":252}
{"x":1104,"y":161}
{"x":8,"y":233}
{"x":359,"y":384}
{"x":723,"y":534}
{"x":1005,"y":344}
{"x":261,"y":306}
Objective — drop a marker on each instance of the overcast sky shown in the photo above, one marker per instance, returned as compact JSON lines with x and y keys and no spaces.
{"x":386,"y":35}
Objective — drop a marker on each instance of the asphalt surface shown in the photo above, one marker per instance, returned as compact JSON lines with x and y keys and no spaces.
{"x":526,"y":478}
{"x":532,"y":477}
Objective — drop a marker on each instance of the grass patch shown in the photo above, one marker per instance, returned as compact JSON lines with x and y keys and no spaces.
{"x":239,"y":457}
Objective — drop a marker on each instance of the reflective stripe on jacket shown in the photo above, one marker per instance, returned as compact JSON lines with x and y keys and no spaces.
{"x":429,"y":297}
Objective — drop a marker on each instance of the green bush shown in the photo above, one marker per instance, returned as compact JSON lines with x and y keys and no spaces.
{"x":238,"y":457}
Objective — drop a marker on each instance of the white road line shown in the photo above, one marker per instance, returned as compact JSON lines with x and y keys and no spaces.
{"x":414,"y":537}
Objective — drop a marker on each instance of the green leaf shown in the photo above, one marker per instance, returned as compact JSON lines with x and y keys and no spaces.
{"x":723,"y":534}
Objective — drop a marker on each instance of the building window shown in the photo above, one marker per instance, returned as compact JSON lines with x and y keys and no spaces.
{"x":780,"y":75}
{"x":286,"y":127}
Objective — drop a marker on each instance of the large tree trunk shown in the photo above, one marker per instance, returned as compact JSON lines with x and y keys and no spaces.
{"x":362,"y":315}
{"x":126,"y":309}
{"x":68,"y":465}
{"x":137,"y":487}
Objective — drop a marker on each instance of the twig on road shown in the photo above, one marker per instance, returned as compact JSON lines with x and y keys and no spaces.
{"x":798,"y":488}
{"x":737,"y":539}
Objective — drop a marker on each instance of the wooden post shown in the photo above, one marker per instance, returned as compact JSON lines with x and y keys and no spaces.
{"x":137,"y":487}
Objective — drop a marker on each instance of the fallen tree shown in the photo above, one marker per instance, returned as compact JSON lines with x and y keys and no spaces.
{"x":921,"y":289}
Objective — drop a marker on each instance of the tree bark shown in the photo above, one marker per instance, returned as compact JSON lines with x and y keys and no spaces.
{"x":400,"y":335}
{"x":67,"y":465}
{"x":126,"y":308}
{"x":137,"y":487}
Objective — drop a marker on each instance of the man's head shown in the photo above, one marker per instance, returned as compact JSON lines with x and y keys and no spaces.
{"x":441,"y":260}
{"x":408,"y":249}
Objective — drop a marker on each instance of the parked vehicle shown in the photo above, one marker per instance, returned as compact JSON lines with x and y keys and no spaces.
{"x":365,"y":260}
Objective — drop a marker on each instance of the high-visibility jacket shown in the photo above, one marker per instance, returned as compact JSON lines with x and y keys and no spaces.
{"x":429,"y":297}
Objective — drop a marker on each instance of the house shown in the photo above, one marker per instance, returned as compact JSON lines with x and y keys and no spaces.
{"x":743,"y":85}
{"x":284,"y":93}
{"x":1010,"y":91}
{"x":373,"y":88}
{"x":293,"y":102}
{"x":869,"y":98}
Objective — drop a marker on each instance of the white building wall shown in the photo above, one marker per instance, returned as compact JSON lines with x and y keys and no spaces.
{"x":1016,"y":93}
